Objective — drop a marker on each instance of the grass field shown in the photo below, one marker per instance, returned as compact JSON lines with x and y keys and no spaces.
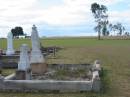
{"x":114,"y":55}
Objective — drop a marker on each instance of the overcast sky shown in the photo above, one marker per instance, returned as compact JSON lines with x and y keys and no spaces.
{"x":59,"y":17}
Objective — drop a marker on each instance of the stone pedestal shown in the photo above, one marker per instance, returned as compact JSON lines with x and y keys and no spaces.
{"x":36,"y":56}
{"x":20,"y":75}
{"x":23,"y":75}
{"x":10,"y":52}
{"x":38,"y":68}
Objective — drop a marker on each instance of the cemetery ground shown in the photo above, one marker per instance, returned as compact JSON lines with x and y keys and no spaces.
{"x":113,"y":54}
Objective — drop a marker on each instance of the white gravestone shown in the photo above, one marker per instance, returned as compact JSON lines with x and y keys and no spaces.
{"x":24,"y":63}
{"x":10,"y":49}
{"x":36,"y":54}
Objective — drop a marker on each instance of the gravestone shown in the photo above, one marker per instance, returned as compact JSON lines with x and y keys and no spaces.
{"x":10,"y":49}
{"x":37,"y":59}
{"x":24,"y":69}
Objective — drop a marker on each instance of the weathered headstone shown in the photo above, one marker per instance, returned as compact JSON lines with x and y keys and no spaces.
{"x":24,"y":69}
{"x":10,"y":49}
{"x":37,"y":59}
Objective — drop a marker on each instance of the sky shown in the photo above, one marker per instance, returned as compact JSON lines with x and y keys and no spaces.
{"x":59,"y":17}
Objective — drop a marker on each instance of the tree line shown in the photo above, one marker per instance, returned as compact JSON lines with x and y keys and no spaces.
{"x":103,"y":26}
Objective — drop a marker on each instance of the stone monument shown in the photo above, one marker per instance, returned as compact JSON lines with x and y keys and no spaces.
{"x":10,"y":49}
{"x":24,"y":69}
{"x":37,"y":60}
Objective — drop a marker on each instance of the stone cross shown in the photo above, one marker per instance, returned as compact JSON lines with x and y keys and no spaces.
{"x":36,"y":54}
{"x":10,"y":49}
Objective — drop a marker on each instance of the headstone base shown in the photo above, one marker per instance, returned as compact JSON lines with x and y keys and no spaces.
{"x":23,"y":75}
{"x":10,"y":52}
{"x":20,"y":75}
{"x":38,"y":68}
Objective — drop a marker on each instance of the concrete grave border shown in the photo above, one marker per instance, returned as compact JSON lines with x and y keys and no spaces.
{"x":94,"y":84}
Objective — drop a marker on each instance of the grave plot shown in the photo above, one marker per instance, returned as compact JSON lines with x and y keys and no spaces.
{"x":34,"y":74}
{"x":58,"y":77}
{"x":66,"y":72}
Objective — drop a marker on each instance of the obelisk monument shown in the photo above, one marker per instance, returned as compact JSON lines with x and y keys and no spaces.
{"x":36,"y":55}
{"x":36,"y":58}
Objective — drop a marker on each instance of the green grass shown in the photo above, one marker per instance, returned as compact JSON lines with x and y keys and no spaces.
{"x":67,"y":42}
{"x":114,"y":55}
{"x":68,"y":74}
{"x":6,"y":72}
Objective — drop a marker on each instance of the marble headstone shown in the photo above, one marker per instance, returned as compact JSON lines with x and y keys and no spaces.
{"x":10,"y":49}
{"x":36,"y":54}
{"x":24,"y":69}
{"x":37,"y":60}
{"x":24,"y":62}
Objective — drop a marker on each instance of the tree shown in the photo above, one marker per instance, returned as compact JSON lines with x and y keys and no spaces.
{"x":105,"y":32}
{"x":118,"y":27}
{"x":97,"y":29}
{"x":17,"y":31}
{"x":101,"y":18}
{"x":14,"y":32}
{"x":127,"y":34}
